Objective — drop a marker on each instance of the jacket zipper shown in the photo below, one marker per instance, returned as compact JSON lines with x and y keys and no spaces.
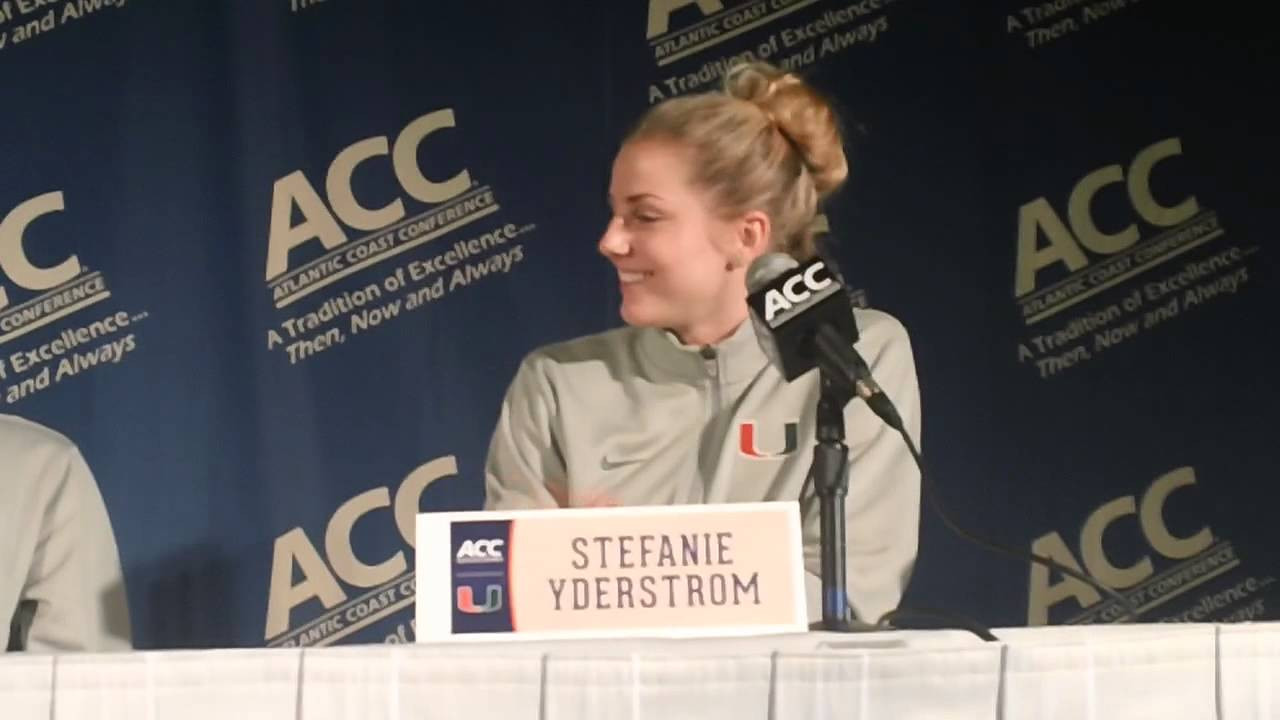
{"x":711,"y":364}
{"x":710,"y":360}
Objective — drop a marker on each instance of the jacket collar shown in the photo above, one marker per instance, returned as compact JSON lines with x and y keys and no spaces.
{"x":737,"y":358}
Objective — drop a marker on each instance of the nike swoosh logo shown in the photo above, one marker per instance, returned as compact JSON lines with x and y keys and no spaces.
{"x":607,"y":464}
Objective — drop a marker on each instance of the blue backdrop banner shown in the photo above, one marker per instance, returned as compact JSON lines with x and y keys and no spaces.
{"x":272,"y":265}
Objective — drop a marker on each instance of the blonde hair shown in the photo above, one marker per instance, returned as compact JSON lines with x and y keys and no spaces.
{"x":768,"y":142}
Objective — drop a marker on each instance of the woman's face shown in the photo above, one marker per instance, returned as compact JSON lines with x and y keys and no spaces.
{"x":680,"y":264}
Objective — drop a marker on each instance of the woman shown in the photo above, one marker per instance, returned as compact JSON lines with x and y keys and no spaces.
{"x":61,"y":587}
{"x":682,"y":406}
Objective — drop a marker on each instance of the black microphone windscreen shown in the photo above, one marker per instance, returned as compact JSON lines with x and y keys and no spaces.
{"x":789,"y":302}
{"x":767,"y":267}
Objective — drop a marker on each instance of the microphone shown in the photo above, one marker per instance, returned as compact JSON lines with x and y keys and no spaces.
{"x":790,"y":304}
{"x":804,"y":320}
{"x":803,"y":317}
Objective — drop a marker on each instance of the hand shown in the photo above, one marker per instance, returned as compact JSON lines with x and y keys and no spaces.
{"x":560,"y":492}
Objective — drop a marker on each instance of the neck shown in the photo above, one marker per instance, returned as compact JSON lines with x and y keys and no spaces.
{"x":713,"y":331}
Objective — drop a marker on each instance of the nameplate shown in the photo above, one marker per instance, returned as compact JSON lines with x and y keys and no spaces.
{"x":669,"y":571}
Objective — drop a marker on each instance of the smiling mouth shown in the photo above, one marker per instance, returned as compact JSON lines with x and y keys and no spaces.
{"x":628,"y":278}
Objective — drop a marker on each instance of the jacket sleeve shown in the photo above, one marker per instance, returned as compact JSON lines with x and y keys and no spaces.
{"x":75,"y":579}
{"x":524,"y":468}
{"x":882,"y":509}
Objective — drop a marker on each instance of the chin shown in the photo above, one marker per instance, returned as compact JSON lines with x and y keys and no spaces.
{"x":637,"y":315}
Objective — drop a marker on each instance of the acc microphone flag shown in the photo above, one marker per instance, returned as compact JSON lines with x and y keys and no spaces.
{"x":790,"y":302}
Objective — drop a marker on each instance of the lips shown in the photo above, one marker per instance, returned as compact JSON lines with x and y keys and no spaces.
{"x":628,"y":277}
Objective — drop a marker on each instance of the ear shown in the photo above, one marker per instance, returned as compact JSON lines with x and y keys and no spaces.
{"x":752,"y":238}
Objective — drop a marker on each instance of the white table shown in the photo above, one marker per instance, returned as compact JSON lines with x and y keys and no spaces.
{"x":1164,"y":672}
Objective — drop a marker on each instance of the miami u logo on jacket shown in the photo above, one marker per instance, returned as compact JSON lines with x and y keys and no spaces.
{"x":781,"y":440}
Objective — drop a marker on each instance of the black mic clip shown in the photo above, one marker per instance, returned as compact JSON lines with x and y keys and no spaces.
{"x":842,"y":364}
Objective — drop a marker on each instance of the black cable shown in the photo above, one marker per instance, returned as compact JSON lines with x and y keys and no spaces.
{"x":849,"y":385}
{"x":953,"y":620}
{"x":883,"y":406}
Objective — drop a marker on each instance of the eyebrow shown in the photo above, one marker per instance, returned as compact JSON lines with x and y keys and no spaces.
{"x":632,"y":199}
{"x":637,"y":197}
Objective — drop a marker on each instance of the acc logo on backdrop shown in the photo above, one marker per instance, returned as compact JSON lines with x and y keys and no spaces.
{"x":385,"y":582}
{"x":1066,"y":245}
{"x":821,"y":229}
{"x":295,"y":191}
{"x":60,"y":289}
{"x":660,"y":12}
{"x":1198,"y":557}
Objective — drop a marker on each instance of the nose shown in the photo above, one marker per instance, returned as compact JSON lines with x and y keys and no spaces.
{"x":614,"y":242}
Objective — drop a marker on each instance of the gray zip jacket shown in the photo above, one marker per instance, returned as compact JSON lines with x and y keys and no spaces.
{"x":58,"y":553}
{"x":632,"y":416}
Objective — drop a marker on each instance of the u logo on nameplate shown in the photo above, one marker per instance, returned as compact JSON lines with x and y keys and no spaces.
{"x":669,"y":571}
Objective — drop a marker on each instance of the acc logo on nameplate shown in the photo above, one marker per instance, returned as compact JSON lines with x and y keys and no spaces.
{"x":480,"y":551}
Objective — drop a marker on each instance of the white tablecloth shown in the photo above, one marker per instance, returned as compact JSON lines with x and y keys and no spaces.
{"x":1164,"y":672}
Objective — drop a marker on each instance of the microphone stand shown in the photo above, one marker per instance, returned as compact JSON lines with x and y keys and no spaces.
{"x":830,"y":479}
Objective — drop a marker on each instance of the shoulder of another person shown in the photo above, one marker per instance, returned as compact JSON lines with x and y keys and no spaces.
{"x":21,"y":436}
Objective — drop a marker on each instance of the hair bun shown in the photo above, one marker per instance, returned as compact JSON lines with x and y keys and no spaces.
{"x":803,"y":117}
